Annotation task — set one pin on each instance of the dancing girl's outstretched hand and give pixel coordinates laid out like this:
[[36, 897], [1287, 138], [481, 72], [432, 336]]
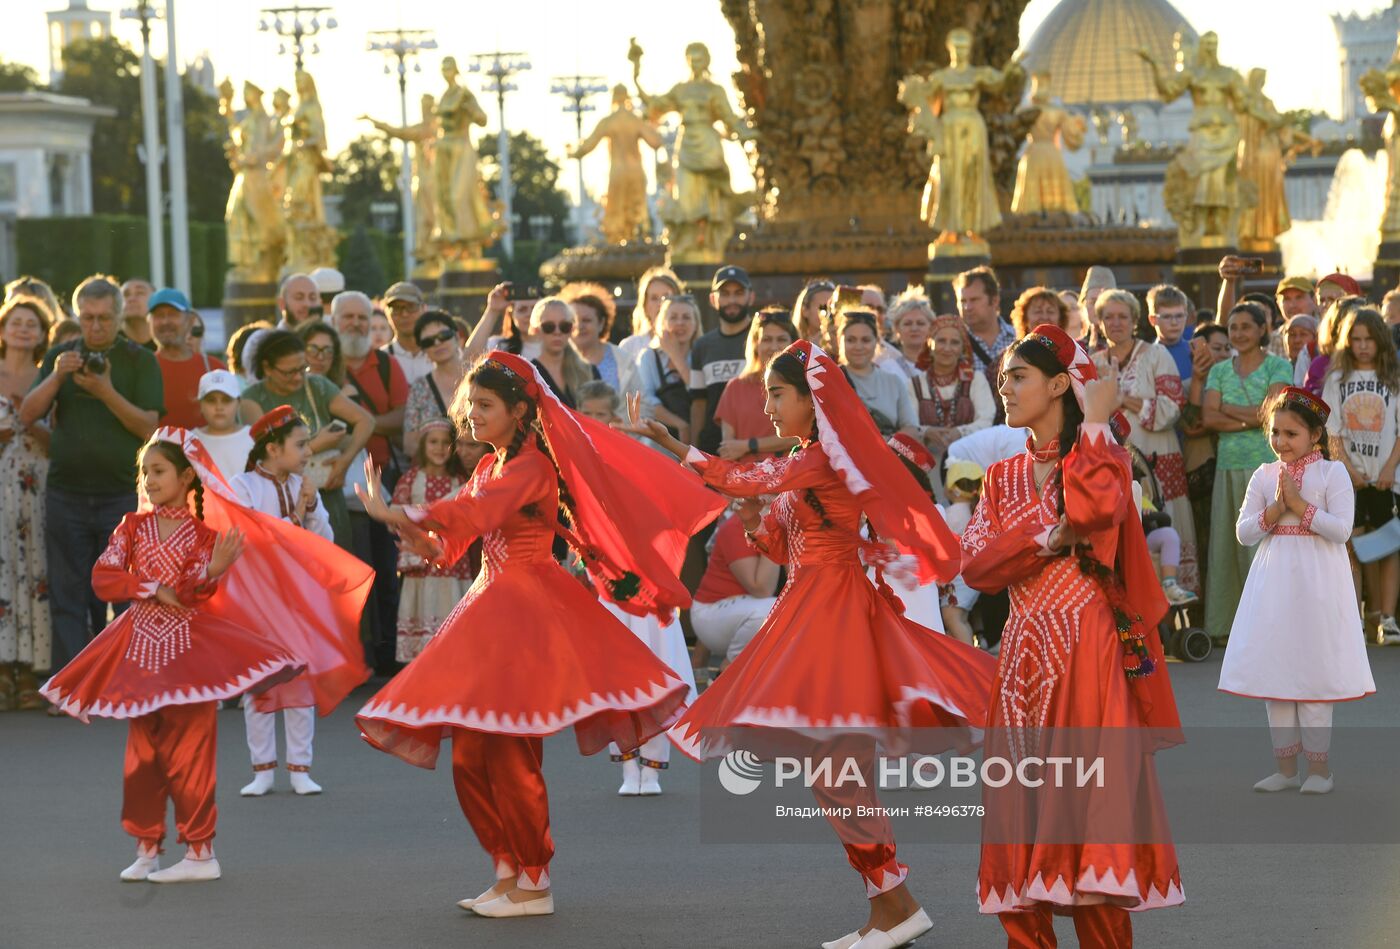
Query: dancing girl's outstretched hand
[[1101, 397], [227, 548], [638, 424], [372, 497]]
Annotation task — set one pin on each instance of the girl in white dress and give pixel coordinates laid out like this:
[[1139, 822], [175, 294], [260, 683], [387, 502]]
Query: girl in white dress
[[1300, 653]]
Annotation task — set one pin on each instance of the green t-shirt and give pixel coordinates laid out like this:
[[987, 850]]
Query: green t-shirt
[[90, 451], [312, 400], [1247, 450]]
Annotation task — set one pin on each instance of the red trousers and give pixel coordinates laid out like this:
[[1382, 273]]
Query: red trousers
[[869, 840], [171, 754], [500, 786], [1098, 926]]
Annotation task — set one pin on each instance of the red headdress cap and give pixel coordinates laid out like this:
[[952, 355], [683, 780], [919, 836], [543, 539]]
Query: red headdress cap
[[1292, 395], [1348, 284], [282, 415], [1079, 366], [912, 450]]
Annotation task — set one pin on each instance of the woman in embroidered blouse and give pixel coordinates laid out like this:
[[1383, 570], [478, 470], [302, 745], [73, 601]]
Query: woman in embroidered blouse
[[836, 648], [954, 399], [530, 651], [429, 396], [1149, 385], [1058, 527], [1235, 392], [1295, 641]]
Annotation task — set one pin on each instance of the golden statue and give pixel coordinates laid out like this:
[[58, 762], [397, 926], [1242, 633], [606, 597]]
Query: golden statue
[[960, 197], [1382, 88], [1202, 190], [625, 207], [1042, 181], [1268, 142], [310, 241], [464, 223], [281, 112], [253, 214], [704, 207], [423, 137]]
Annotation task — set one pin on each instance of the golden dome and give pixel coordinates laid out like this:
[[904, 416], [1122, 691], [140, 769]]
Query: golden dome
[[1087, 47]]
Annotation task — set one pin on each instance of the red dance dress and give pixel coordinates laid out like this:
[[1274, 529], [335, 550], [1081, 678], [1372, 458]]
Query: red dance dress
[[154, 655], [529, 651], [835, 656], [1062, 673]]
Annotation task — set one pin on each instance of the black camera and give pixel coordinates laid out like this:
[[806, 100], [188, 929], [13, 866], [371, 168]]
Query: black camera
[[94, 363]]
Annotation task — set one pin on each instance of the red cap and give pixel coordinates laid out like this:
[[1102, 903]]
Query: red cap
[[1348, 284], [912, 450], [278, 417]]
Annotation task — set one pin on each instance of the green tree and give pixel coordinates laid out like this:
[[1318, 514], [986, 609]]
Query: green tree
[[536, 192], [17, 77], [107, 72], [365, 173], [361, 265]]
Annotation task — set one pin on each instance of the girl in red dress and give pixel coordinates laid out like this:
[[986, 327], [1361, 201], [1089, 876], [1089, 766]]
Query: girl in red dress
[[1080, 656], [530, 651], [166, 662], [837, 663]]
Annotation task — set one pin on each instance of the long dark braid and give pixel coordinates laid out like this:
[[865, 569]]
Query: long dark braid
[[199, 498]]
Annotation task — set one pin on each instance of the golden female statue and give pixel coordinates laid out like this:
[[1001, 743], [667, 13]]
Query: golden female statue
[[705, 207], [1267, 143], [310, 242], [423, 137], [1042, 181], [464, 225], [252, 214], [1201, 190], [960, 198], [625, 207], [1382, 88]]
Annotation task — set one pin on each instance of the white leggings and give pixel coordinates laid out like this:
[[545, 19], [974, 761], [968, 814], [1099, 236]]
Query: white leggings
[[300, 727], [1312, 719], [726, 626], [654, 753]]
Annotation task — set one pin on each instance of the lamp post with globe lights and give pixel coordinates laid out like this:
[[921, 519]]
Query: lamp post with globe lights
[[577, 89], [402, 48], [498, 68]]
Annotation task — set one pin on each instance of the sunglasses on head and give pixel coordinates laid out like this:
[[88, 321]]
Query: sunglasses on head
[[427, 342], [774, 316], [566, 327]]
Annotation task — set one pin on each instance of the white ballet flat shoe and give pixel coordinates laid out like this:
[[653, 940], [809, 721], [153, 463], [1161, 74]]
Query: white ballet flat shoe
[[467, 904], [631, 779], [845, 942], [1317, 784], [651, 782], [141, 869], [903, 934], [1277, 782], [302, 783], [260, 785], [188, 871], [503, 906]]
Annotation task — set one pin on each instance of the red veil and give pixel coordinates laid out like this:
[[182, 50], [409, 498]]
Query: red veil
[[295, 588], [892, 500], [635, 509]]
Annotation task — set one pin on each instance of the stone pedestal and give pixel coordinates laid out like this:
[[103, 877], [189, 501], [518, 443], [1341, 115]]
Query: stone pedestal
[[1196, 270], [462, 292], [1386, 276], [247, 301], [938, 280]]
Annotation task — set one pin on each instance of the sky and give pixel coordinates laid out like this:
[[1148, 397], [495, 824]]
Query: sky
[[565, 37]]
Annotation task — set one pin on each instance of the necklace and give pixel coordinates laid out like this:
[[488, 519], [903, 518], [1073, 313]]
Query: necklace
[[1051, 452], [173, 512]]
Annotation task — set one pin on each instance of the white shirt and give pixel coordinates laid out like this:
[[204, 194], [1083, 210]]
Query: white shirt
[[989, 445], [230, 452], [414, 365], [260, 493], [1365, 415]]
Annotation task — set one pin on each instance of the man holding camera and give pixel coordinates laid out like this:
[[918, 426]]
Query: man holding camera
[[106, 395]]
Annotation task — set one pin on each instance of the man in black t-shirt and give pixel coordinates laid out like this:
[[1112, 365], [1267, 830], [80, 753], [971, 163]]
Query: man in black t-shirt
[[718, 356]]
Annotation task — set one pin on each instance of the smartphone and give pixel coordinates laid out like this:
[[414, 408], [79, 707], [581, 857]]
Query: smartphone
[[337, 425], [1251, 265], [846, 298]]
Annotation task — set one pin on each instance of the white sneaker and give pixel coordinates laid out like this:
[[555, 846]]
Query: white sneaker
[[503, 906], [1277, 782], [631, 778], [302, 783], [906, 932], [260, 785], [141, 869], [188, 871], [1388, 631], [651, 782], [1317, 784], [1177, 595]]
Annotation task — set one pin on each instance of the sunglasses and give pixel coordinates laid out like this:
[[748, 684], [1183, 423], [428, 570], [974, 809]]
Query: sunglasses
[[427, 342], [774, 316], [551, 327]]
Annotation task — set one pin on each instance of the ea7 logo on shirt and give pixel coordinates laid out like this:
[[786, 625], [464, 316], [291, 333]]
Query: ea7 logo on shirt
[[720, 372]]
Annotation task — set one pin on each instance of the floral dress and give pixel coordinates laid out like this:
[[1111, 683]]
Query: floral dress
[[25, 629], [430, 592]]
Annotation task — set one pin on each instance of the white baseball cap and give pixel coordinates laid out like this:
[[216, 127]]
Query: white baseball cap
[[219, 380], [328, 280]]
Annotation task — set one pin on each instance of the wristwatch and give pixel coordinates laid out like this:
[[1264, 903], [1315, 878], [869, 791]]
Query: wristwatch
[[753, 445]]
